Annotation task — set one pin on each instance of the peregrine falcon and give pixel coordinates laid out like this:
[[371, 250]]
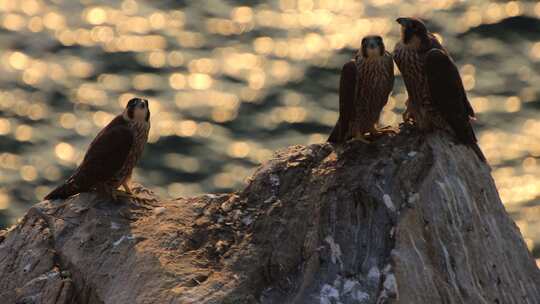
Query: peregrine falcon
[[437, 99], [366, 81], [112, 155]]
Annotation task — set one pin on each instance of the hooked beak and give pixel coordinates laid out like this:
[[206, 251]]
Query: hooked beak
[[143, 103], [402, 21]]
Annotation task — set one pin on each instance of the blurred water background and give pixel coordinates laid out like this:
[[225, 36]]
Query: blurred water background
[[231, 81]]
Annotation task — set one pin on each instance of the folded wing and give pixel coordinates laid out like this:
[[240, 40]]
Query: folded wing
[[105, 156], [449, 98], [347, 93]]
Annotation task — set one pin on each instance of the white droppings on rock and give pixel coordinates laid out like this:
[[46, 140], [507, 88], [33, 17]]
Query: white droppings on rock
[[124, 237], [51, 274], [351, 288], [349, 285], [390, 289], [119, 241], [29, 299], [270, 199], [27, 267], [115, 226], [338, 282], [274, 188], [274, 180], [388, 202], [159, 210], [412, 154], [329, 294], [360, 296], [46, 276], [390, 284], [247, 220], [413, 198], [335, 250], [374, 274]]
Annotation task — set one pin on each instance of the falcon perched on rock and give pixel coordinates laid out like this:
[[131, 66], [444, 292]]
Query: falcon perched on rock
[[437, 99], [112, 155], [366, 81]]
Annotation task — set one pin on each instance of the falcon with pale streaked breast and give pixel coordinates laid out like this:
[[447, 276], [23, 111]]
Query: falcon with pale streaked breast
[[112, 155], [437, 98], [365, 84]]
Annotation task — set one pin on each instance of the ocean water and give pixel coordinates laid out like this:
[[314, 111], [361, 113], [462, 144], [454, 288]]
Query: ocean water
[[231, 81]]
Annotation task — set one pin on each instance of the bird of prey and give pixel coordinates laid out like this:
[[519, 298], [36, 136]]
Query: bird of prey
[[437, 99], [112, 155], [366, 81]]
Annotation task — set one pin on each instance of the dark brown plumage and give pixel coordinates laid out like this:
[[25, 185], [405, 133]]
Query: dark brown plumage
[[437, 98], [112, 155], [366, 81]]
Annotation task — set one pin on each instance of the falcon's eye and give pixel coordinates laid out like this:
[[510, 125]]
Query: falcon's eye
[[132, 102]]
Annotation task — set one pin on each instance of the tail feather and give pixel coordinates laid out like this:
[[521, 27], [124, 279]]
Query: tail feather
[[478, 152], [62, 192], [333, 138]]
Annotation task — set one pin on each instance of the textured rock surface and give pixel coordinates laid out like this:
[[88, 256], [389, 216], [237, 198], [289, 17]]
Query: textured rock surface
[[402, 220]]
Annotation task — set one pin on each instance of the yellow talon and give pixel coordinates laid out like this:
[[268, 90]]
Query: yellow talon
[[362, 139], [133, 198], [119, 193], [383, 131], [126, 187]]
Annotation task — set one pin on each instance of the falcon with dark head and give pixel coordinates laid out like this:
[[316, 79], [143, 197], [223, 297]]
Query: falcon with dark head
[[365, 84], [112, 155], [437, 99]]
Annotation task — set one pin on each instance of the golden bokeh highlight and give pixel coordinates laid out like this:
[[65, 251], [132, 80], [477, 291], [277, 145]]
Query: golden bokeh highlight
[[28, 173], [18, 60], [64, 151], [186, 128], [96, 15], [177, 81], [513, 104], [199, 81], [513, 8], [24, 133], [5, 126], [4, 201], [535, 51], [239, 149]]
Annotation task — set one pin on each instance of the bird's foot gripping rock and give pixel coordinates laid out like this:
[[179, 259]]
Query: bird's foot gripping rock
[[360, 138], [137, 198], [385, 130], [377, 133]]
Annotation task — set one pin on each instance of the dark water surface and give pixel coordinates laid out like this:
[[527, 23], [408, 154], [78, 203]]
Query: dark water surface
[[231, 81]]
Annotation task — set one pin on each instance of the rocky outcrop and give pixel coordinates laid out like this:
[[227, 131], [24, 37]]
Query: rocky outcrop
[[402, 220]]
